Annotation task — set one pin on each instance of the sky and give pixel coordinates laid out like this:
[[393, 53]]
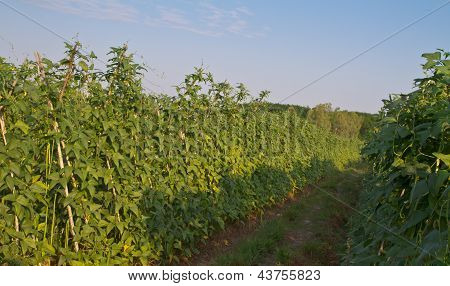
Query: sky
[[279, 46]]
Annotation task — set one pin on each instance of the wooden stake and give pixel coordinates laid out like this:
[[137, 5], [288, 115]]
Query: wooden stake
[[66, 192], [109, 167], [69, 72], [41, 72], [3, 131], [58, 147], [114, 188]]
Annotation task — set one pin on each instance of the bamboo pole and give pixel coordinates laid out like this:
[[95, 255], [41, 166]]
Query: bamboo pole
[[109, 167], [66, 192], [3, 131], [41, 72], [114, 188], [58, 142], [69, 72]]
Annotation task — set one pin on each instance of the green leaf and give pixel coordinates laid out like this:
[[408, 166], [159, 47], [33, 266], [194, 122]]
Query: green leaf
[[443, 157], [10, 182], [83, 66], [76, 263], [431, 242], [48, 248], [23, 201], [14, 233], [109, 228], [403, 132], [87, 230], [93, 207], [432, 56], [15, 168], [397, 162], [437, 180], [120, 226], [102, 223], [420, 189], [134, 209], [39, 185], [389, 120], [30, 242], [416, 217], [22, 126]]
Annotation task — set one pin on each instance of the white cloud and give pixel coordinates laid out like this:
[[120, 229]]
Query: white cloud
[[206, 19], [97, 9], [200, 17], [176, 19], [244, 10]]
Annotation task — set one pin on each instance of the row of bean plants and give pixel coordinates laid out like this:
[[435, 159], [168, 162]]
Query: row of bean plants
[[96, 171], [407, 201]]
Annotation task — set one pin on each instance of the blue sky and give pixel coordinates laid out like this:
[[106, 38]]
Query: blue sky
[[276, 45]]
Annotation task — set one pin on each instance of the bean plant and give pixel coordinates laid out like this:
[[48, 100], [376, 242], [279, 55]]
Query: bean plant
[[407, 200], [96, 171]]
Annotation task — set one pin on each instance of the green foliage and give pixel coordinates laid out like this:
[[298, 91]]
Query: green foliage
[[341, 122], [321, 116], [409, 194], [146, 177], [301, 111]]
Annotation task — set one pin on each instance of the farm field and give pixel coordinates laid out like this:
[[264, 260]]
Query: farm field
[[96, 171]]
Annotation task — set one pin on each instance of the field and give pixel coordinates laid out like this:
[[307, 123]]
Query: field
[[96, 171]]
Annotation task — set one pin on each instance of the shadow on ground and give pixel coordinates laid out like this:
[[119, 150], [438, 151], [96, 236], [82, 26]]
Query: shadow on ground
[[308, 229]]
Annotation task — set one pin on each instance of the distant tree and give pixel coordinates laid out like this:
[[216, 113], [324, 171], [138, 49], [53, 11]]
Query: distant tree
[[321, 115], [346, 123], [341, 122]]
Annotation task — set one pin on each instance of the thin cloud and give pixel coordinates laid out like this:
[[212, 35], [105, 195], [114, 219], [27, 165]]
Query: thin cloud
[[201, 17], [206, 19], [97, 9], [244, 10], [176, 19], [227, 20]]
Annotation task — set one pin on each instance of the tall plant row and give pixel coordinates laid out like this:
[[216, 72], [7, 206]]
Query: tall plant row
[[93, 170], [407, 201]]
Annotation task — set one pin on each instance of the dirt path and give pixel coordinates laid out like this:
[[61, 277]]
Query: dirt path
[[308, 229]]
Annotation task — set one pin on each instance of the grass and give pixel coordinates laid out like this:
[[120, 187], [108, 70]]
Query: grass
[[310, 231], [253, 250]]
